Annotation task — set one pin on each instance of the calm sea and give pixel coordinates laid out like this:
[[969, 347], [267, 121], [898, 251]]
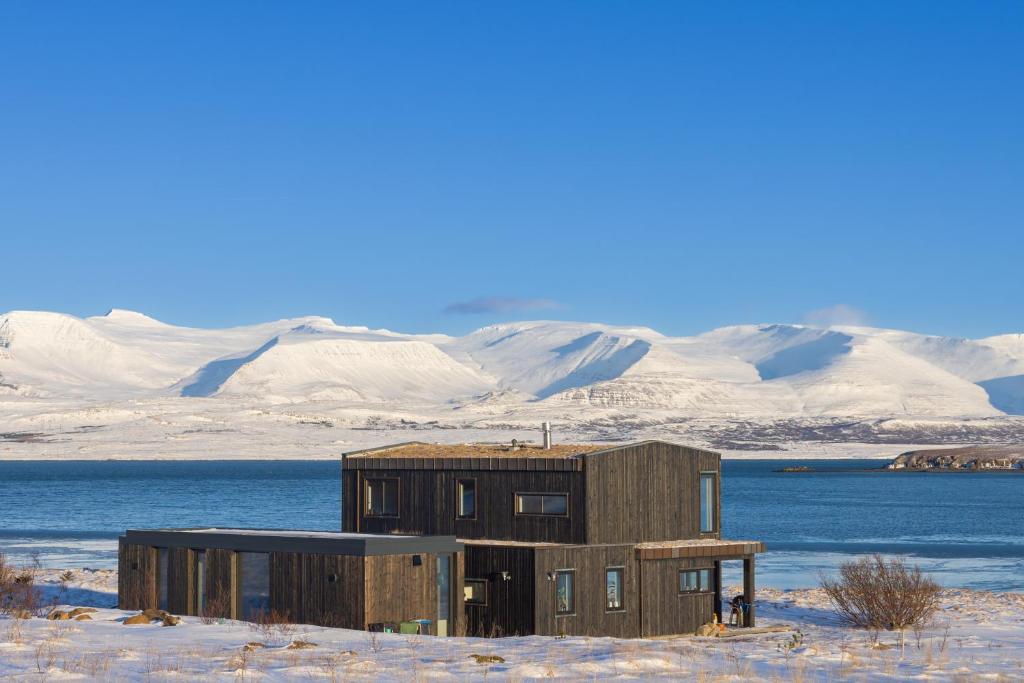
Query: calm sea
[[967, 529]]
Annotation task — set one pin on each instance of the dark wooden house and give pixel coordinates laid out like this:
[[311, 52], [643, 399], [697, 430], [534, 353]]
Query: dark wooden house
[[580, 540], [330, 579]]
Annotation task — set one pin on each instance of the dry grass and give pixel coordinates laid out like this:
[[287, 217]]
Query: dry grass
[[877, 594]]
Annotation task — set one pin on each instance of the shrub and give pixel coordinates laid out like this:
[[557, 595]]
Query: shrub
[[18, 592], [874, 593]]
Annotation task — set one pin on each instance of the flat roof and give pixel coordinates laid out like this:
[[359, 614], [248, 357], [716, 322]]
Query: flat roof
[[420, 449], [697, 547], [293, 540]]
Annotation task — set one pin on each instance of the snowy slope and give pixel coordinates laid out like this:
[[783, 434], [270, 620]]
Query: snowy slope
[[559, 368]]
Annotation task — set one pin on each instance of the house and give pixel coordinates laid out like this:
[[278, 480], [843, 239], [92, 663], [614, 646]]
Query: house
[[484, 539], [570, 539]]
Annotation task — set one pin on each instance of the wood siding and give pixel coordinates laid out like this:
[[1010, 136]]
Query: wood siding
[[219, 596], [398, 590], [591, 617], [509, 609], [337, 603], [427, 505], [664, 610], [647, 492], [180, 581], [136, 576]]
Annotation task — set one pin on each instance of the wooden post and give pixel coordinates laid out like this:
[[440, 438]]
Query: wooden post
[[748, 588], [718, 590]]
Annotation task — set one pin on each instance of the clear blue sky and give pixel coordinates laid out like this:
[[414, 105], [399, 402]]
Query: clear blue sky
[[435, 166]]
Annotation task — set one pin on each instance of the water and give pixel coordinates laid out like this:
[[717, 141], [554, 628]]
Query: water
[[964, 528]]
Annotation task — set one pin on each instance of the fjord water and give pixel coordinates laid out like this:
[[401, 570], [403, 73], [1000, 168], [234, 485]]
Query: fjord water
[[965, 528]]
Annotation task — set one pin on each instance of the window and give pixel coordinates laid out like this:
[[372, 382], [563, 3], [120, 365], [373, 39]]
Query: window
[[475, 591], [255, 581], [199, 575], [708, 502], [565, 595], [161, 578], [381, 497], [556, 504], [613, 585], [465, 493], [696, 581]]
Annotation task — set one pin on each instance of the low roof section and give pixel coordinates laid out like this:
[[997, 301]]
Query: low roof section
[[293, 541]]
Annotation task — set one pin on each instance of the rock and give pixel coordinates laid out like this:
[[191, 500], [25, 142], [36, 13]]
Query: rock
[[58, 615], [154, 613], [81, 610], [137, 619], [249, 647], [488, 659], [706, 630], [300, 645], [171, 620], [83, 617]]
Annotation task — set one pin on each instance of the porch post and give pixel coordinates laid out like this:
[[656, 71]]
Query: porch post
[[748, 588], [718, 590]]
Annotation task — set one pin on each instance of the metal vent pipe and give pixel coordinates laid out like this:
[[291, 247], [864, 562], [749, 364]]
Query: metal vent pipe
[[547, 435]]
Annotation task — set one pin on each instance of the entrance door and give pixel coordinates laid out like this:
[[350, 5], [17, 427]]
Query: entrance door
[[444, 593]]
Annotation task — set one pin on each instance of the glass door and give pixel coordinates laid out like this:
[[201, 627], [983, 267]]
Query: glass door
[[444, 593]]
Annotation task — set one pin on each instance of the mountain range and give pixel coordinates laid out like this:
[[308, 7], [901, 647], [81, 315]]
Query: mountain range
[[773, 371]]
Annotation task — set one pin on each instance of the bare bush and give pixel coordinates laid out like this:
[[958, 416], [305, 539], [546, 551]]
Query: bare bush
[[19, 595], [877, 594]]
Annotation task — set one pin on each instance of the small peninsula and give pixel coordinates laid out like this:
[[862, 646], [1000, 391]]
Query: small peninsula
[[967, 459]]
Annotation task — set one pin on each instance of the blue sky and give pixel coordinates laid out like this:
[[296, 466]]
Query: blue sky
[[441, 166]]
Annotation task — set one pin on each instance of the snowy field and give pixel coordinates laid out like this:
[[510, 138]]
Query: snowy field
[[977, 636]]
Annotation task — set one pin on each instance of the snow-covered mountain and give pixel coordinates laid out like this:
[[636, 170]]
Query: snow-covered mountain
[[745, 371]]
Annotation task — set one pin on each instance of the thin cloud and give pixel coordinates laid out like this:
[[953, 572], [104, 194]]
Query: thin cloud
[[499, 304], [840, 314]]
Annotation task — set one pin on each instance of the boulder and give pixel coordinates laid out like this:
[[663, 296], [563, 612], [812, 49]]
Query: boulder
[[83, 617], [81, 610], [171, 620], [154, 613], [137, 619], [58, 615], [300, 645], [706, 630]]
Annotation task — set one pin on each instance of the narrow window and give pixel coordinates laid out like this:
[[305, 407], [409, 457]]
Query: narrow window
[[565, 594], [381, 497], [613, 585], [475, 591], [554, 504], [161, 574], [465, 491], [708, 502], [255, 568], [696, 581], [199, 574]]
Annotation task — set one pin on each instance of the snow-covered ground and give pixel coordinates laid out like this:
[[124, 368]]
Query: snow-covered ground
[[976, 636]]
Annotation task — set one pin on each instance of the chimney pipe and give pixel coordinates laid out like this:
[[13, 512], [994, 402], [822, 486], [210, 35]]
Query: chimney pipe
[[547, 435]]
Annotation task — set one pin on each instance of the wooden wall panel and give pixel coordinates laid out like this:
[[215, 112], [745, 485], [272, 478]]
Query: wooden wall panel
[[286, 585], [337, 602], [664, 610], [427, 502], [136, 576], [180, 581], [591, 617], [396, 589], [646, 492], [509, 609], [219, 583]]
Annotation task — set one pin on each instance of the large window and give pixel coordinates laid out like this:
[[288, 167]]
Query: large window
[[381, 497], [556, 504], [565, 592], [474, 591], [465, 494], [708, 502], [696, 581], [255, 593], [613, 586], [199, 576]]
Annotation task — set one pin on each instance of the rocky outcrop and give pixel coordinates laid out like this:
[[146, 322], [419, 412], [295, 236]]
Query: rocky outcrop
[[968, 459]]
